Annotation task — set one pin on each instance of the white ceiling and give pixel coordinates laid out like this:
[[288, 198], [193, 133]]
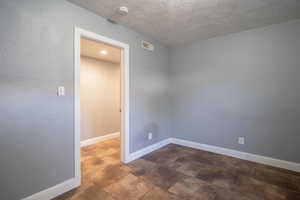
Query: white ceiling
[[176, 22], [92, 49]]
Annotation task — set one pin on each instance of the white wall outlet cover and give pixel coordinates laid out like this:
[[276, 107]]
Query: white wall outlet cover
[[241, 140], [61, 91], [149, 136]]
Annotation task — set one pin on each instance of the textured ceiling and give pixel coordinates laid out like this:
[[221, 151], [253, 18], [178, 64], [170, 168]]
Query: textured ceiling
[[176, 22], [92, 49]]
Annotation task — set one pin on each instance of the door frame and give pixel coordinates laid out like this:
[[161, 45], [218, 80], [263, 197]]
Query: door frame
[[78, 33]]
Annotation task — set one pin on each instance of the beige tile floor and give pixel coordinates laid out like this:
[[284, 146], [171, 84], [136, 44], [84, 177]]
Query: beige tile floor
[[176, 172]]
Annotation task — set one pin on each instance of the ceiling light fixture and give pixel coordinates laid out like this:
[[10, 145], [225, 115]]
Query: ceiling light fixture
[[123, 10], [103, 52]]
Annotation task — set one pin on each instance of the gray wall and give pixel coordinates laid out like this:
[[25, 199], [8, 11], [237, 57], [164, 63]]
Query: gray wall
[[245, 84], [99, 98], [36, 126]]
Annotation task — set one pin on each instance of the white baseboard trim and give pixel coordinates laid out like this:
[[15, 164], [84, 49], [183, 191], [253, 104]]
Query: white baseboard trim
[[56, 190], [149, 149], [99, 139], [238, 154]]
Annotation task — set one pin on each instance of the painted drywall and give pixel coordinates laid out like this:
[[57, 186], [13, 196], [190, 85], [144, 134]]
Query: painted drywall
[[99, 98], [245, 84], [37, 126]]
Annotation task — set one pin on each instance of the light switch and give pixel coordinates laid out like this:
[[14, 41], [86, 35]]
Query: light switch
[[61, 91]]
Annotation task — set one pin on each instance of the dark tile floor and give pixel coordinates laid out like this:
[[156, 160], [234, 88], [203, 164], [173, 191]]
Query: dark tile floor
[[178, 173]]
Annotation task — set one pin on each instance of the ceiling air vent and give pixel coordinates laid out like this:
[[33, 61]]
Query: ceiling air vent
[[147, 45]]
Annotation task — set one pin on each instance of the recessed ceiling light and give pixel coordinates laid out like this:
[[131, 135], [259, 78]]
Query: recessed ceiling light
[[103, 52]]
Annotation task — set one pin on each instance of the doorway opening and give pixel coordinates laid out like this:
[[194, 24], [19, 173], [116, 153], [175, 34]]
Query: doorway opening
[[100, 94], [101, 99]]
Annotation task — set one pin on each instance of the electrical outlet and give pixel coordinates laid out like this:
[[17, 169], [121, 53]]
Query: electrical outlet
[[241, 140], [149, 136], [60, 91]]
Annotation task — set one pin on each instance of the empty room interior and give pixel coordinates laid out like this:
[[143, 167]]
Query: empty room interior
[[150, 100]]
